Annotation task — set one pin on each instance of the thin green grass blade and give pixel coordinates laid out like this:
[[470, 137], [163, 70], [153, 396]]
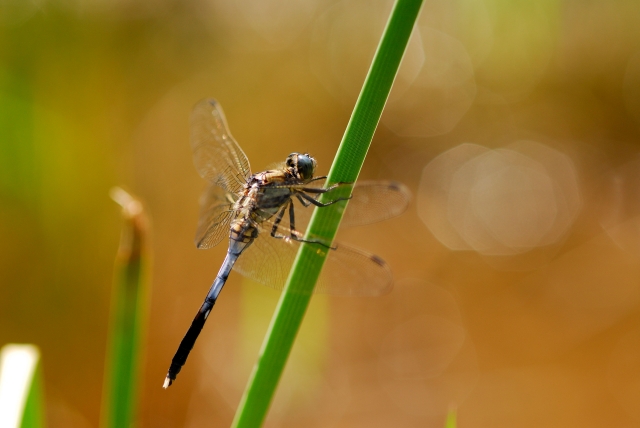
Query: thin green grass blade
[[34, 414], [324, 222], [128, 317], [21, 387], [451, 419]]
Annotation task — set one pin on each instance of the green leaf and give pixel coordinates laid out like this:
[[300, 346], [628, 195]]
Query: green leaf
[[451, 419], [21, 387], [128, 317], [324, 222]]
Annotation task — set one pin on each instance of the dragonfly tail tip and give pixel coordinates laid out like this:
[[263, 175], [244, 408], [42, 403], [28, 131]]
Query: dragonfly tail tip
[[167, 382]]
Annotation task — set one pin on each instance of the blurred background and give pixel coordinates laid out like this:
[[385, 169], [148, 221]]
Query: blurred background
[[517, 265]]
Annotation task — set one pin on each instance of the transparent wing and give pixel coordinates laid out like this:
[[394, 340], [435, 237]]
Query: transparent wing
[[215, 216], [347, 270], [374, 201], [371, 201], [266, 261], [217, 156]]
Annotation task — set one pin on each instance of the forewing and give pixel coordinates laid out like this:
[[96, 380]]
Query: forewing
[[374, 201], [215, 217], [371, 201], [217, 156]]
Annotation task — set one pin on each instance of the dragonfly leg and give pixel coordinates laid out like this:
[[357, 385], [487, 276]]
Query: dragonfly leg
[[321, 204], [303, 201], [277, 221], [321, 189], [309, 241], [294, 234], [292, 221], [338, 184]]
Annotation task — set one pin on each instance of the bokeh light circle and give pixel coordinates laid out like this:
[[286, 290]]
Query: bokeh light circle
[[620, 217], [499, 202]]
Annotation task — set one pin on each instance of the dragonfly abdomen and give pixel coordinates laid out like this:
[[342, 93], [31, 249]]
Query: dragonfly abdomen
[[242, 235]]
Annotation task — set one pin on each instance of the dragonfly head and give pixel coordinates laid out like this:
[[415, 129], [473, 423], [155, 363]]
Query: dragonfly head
[[301, 165]]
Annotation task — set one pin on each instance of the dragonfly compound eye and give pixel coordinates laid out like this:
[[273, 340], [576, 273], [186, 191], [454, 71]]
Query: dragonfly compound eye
[[306, 166]]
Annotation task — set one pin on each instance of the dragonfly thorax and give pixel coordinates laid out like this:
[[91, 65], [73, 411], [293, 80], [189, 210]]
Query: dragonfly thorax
[[264, 194], [301, 165]]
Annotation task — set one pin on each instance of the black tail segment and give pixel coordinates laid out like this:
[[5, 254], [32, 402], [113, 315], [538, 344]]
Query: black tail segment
[[201, 317], [188, 341]]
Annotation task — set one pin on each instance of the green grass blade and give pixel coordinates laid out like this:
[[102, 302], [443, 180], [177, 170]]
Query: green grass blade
[[324, 223], [128, 317], [451, 419], [21, 387]]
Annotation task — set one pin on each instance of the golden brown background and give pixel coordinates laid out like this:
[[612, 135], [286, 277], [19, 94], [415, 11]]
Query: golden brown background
[[515, 124]]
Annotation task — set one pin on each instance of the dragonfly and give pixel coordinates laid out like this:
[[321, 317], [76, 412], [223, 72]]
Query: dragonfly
[[249, 209]]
